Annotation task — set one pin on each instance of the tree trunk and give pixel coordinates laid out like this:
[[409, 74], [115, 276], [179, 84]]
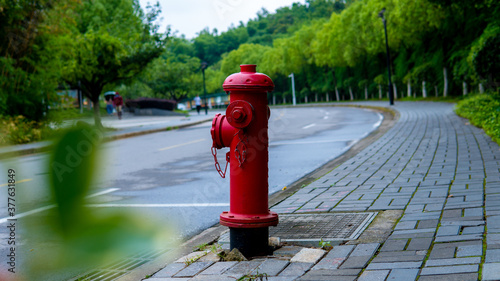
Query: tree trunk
[[436, 91], [305, 99], [366, 92], [445, 78], [327, 97], [350, 93], [97, 115], [379, 91], [408, 84], [316, 97], [274, 99], [284, 100], [395, 89], [481, 88], [464, 88], [424, 90], [337, 96]]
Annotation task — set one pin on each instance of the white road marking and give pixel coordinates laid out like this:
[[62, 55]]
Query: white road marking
[[309, 126], [380, 119], [26, 180], [182, 144], [41, 209], [178, 205]]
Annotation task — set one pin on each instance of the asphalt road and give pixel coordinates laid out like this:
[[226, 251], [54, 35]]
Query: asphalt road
[[171, 176]]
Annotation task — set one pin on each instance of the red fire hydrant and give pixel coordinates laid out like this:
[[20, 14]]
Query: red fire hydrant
[[244, 130]]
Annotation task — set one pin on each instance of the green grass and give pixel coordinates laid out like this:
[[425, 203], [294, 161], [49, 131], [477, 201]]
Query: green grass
[[483, 111]]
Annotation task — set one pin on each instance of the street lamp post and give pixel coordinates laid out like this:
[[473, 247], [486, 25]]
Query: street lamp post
[[203, 67], [391, 94], [294, 101]]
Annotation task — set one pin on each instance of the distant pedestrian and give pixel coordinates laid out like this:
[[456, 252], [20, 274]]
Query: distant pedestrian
[[109, 106], [118, 102], [197, 101]]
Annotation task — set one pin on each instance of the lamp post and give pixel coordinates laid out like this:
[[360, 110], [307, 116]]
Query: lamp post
[[203, 67], [294, 101], [391, 94]]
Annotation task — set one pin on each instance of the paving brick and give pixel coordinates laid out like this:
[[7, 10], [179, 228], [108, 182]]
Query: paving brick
[[355, 262], [419, 244], [491, 271], [308, 255], [374, 275], [451, 277], [448, 230], [492, 255], [295, 269], [271, 267], [469, 250], [403, 275], [393, 265], [219, 268], [456, 261], [365, 250], [335, 272], [242, 268], [201, 277], [464, 237], [193, 269], [392, 245], [449, 269], [170, 270]]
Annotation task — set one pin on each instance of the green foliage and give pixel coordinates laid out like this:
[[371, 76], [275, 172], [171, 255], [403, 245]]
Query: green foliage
[[324, 244], [19, 130], [483, 111]]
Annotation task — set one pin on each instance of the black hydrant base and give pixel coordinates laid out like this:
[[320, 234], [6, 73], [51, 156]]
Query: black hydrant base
[[250, 242]]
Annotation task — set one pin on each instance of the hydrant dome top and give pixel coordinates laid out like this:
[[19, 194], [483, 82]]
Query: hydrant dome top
[[248, 79]]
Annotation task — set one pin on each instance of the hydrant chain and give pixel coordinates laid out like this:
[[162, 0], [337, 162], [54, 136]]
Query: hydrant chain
[[217, 165]]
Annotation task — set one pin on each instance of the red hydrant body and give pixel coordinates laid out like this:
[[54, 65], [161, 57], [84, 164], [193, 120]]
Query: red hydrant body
[[244, 129]]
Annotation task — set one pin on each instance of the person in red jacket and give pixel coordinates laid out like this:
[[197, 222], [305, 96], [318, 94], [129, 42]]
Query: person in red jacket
[[118, 103]]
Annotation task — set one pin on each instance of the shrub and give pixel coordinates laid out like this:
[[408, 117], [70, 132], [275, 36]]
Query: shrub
[[483, 111], [18, 130]]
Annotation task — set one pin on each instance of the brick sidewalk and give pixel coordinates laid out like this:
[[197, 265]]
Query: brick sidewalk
[[443, 174]]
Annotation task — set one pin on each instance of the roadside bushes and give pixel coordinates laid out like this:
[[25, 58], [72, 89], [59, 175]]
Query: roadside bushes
[[483, 111], [18, 130]]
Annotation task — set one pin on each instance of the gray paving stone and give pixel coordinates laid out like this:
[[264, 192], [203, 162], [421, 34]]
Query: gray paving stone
[[393, 265], [219, 268], [374, 275], [242, 268], [464, 237], [449, 269], [201, 277], [308, 277], [448, 230], [419, 244], [170, 270], [335, 272], [473, 230], [456, 261], [491, 271], [365, 250], [392, 245], [403, 275], [193, 269], [271, 267], [355, 262], [295, 269], [469, 251], [492, 255], [405, 225], [308, 255], [451, 277]]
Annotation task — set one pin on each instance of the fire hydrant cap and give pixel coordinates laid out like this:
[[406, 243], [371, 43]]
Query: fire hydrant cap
[[248, 79]]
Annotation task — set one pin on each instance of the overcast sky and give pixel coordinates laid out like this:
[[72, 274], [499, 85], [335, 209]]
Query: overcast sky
[[189, 17]]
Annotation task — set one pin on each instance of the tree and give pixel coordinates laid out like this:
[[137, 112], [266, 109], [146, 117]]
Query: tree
[[115, 42]]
